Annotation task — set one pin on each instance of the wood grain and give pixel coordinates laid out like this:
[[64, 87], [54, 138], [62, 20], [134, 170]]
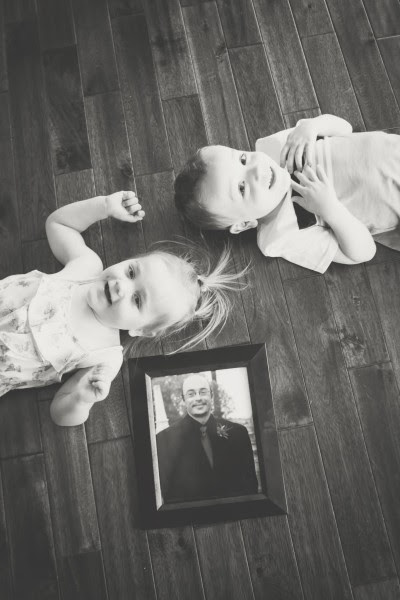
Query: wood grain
[[274, 574], [123, 8], [331, 80], [356, 316], [312, 18], [70, 486], [175, 563], [389, 49], [68, 135], [221, 550], [256, 92], [347, 467], [285, 55], [385, 18], [18, 10], [382, 590], [82, 577], [3, 55], [56, 27], [311, 518], [33, 172], [29, 528], [19, 424], [5, 564], [292, 118], [170, 48], [125, 550], [95, 46], [377, 400], [364, 63], [238, 22], [142, 104]]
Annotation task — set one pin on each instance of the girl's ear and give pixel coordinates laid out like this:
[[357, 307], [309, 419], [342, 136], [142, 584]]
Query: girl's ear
[[141, 333], [243, 225]]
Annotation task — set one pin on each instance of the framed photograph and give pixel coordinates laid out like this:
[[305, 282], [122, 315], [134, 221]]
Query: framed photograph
[[205, 438]]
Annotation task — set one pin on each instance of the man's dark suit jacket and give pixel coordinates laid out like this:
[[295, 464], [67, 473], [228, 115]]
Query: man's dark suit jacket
[[185, 471]]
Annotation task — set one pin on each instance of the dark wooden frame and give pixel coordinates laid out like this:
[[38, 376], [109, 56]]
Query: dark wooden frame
[[271, 500]]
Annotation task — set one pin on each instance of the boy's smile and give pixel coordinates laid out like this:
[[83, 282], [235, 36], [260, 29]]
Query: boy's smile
[[241, 187]]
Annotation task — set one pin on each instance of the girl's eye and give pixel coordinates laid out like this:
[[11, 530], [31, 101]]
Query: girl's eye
[[137, 300], [243, 158], [131, 272], [242, 187]]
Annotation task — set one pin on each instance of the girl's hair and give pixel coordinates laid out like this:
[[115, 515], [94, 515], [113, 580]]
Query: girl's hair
[[206, 286], [187, 194]]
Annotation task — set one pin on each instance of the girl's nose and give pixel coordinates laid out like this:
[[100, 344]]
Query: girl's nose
[[121, 288]]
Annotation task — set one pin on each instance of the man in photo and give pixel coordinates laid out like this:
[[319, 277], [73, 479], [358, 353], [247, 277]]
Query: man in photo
[[201, 456]]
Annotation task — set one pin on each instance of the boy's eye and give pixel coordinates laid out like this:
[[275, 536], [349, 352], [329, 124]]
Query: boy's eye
[[131, 271], [242, 187], [243, 158]]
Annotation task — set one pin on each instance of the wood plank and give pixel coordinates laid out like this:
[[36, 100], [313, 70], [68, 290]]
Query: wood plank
[[384, 18], [175, 563], [68, 135], [95, 46], [18, 10], [256, 92], [125, 550], [70, 486], [331, 80], [10, 248], [82, 577], [123, 8], [3, 54], [239, 22], [312, 18], [19, 424], [170, 48], [221, 551], [311, 518], [109, 419], [385, 284], [285, 55], [142, 104], [38, 254], [377, 400], [56, 27], [29, 528], [269, 322], [374, 93], [185, 127], [292, 119], [347, 467], [221, 109], [33, 170], [356, 316], [274, 574], [389, 49], [5, 563], [382, 590]]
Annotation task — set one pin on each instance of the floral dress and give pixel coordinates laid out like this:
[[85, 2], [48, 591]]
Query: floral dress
[[36, 344]]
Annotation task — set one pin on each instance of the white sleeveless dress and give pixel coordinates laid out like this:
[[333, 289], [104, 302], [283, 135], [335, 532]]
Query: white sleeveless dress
[[37, 346]]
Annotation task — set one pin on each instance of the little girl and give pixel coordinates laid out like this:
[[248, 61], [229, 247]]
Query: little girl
[[70, 321]]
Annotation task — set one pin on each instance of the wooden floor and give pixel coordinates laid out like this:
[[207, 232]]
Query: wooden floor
[[97, 97]]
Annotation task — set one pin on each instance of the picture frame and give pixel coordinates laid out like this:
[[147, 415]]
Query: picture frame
[[250, 361]]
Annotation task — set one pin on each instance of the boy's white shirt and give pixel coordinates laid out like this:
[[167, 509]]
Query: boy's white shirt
[[364, 168]]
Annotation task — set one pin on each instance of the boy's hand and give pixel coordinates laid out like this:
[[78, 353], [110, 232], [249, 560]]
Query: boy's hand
[[300, 142], [95, 383], [317, 193], [124, 206]]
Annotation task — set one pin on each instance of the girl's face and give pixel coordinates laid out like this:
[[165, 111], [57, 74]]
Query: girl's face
[[142, 295]]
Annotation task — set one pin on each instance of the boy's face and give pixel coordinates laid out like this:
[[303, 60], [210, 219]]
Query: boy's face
[[141, 295], [242, 186]]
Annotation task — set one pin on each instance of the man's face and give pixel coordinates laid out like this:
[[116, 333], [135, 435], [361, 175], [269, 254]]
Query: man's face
[[241, 186], [197, 396]]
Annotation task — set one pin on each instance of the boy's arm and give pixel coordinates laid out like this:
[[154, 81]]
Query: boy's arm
[[301, 140], [64, 226], [75, 398], [356, 244]]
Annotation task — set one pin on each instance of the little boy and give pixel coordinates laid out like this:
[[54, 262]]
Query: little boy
[[346, 196]]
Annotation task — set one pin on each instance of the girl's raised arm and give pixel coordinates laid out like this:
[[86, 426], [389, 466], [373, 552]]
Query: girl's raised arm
[[64, 226]]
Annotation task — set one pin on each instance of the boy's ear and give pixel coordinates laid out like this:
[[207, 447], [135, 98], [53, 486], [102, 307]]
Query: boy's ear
[[142, 333], [243, 225]]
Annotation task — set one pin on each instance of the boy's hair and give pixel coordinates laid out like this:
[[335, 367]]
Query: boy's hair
[[187, 194], [206, 286]]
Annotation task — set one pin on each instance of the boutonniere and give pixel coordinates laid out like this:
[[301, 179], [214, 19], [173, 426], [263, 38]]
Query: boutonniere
[[222, 430]]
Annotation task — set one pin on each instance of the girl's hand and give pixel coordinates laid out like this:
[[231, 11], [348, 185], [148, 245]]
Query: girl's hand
[[300, 142], [124, 206], [317, 193], [95, 384]]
